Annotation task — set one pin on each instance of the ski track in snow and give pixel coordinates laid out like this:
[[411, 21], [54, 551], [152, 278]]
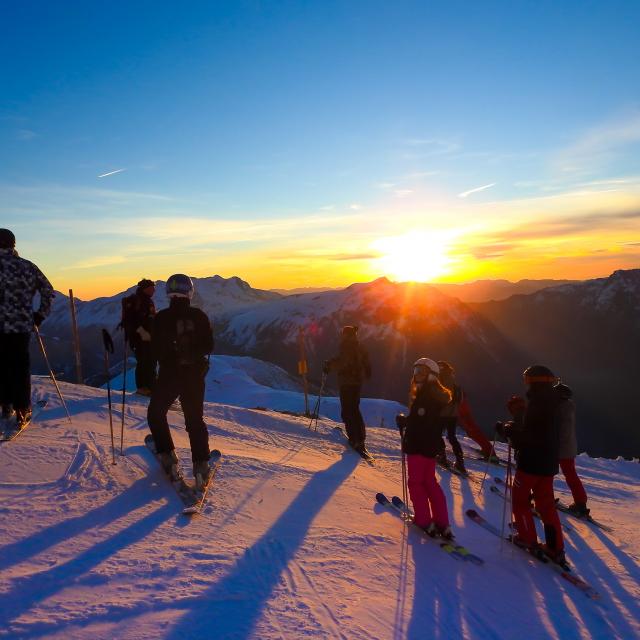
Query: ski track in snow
[[290, 545]]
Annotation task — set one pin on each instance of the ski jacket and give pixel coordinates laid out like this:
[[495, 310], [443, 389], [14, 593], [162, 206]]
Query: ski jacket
[[535, 432], [423, 431], [138, 311], [20, 280], [182, 335], [568, 443], [351, 364]]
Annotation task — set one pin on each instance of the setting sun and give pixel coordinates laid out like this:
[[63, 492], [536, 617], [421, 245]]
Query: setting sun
[[415, 256]]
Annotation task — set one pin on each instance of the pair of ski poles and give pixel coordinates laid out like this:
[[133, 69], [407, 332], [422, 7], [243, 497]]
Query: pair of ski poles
[[109, 349], [316, 409]]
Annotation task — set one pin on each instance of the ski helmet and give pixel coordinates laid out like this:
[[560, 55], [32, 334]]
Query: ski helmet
[[179, 286], [7, 239], [423, 367], [349, 330], [563, 391], [539, 373]]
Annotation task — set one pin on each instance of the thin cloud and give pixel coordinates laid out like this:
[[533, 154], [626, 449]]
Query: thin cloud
[[464, 194], [111, 173], [26, 134]]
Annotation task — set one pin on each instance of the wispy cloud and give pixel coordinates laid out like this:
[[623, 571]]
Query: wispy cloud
[[96, 261], [25, 134], [465, 194], [111, 173]]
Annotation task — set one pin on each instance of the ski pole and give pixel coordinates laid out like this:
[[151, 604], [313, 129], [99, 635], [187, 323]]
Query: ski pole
[[124, 388], [486, 467], [405, 490], [51, 375], [108, 348], [316, 410], [507, 492]]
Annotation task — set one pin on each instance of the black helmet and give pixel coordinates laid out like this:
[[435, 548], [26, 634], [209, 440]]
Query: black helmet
[[539, 373], [7, 239], [179, 286]]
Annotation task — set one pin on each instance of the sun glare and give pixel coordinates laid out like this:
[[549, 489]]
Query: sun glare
[[415, 256]]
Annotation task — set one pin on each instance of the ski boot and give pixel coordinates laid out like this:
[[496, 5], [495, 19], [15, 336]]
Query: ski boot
[[556, 555], [436, 531], [535, 548], [442, 460], [459, 466], [170, 465], [201, 472], [23, 418], [579, 509], [7, 412]]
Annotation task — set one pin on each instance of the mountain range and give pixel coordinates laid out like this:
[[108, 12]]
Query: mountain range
[[587, 332]]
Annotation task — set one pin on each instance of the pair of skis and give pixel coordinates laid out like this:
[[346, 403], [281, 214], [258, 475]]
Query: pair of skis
[[456, 551], [363, 453], [563, 570], [192, 498], [10, 428]]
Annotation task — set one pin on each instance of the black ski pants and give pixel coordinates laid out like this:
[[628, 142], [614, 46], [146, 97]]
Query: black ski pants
[[350, 412], [187, 383], [145, 364], [15, 370], [451, 424]]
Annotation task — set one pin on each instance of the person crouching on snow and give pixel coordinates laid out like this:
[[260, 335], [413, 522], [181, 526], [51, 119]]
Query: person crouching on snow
[[421, 435]]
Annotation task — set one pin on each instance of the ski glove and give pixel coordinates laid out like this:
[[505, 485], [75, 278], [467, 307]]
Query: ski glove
[[38, 318], [516, 405], [401, 422]]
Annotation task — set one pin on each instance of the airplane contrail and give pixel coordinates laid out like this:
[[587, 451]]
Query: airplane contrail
[[464, 194], [110, 173]]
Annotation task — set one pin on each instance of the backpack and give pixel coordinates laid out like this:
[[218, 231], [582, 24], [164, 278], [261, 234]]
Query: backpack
[[129, 317], [186, 341]]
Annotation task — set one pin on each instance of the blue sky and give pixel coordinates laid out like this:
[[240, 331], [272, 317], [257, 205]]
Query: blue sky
[[329, 115]]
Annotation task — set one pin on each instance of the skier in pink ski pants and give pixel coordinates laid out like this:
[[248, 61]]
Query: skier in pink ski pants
[[421, 437]]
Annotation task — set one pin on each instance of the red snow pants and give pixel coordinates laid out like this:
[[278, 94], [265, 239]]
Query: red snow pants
[[465, 418], [568, 466], [429, 503], [542, 487]]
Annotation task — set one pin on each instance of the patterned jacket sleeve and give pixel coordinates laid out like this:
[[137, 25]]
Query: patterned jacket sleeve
[[46, 292]]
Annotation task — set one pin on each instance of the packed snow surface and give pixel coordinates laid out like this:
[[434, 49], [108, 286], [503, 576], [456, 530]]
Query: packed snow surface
[[290, 545]]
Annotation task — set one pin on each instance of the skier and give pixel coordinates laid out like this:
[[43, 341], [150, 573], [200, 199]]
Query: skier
[[353, 367], [138, 311], [20, 280], [459, 412], [182, 342], [569, 450], [421, 434], [534, 435], [449, 417]]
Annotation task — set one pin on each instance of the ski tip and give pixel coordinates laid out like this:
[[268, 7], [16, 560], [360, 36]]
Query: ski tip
[[382, 499], [397, 501], [148, 438], [215, 454], [472, 513]]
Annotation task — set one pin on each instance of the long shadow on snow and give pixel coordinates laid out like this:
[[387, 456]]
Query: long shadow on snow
[[29, 591], [258, 571], [137, 495]]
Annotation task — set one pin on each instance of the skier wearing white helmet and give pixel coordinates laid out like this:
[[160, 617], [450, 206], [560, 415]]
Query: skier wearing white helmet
[[421, 435]]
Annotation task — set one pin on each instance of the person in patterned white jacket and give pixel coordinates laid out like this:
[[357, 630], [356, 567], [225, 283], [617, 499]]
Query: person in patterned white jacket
[[20, 280]]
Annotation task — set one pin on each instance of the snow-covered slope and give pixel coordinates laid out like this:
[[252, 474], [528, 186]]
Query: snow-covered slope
[[291, 544], [247, 382]]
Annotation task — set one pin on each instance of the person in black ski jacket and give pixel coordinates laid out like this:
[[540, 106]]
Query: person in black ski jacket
[[449, 417], [182, 342], [138, 311], [534, 434], [353, 367], [421, 434], [20, 280]]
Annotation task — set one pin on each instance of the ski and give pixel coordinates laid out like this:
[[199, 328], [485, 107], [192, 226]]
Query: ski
[[448, 546], [184, 491], [564, 571], [201, 495], [11, 431], [565, 509], [363, 453]]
